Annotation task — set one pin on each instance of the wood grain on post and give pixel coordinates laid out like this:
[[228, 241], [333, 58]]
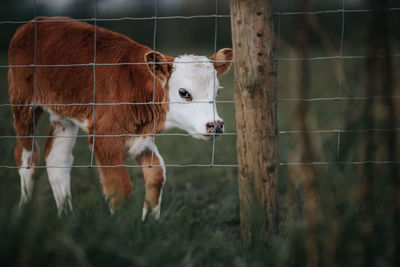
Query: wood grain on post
[[256, 123]]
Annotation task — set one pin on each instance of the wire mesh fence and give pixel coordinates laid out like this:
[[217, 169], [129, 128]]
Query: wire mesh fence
[[95, 104], [339, 57]]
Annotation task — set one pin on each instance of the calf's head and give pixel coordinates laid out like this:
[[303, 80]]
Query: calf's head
[[193, 86]]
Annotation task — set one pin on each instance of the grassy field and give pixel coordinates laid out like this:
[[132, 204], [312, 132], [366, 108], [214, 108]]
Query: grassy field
[[199, 224]]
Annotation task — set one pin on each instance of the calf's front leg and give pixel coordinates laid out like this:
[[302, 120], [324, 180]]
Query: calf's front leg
[[110, 157], [154, 176]]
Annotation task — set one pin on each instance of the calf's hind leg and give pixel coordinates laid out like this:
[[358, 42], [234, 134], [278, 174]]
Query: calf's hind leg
[[58, 152], [25, 158]]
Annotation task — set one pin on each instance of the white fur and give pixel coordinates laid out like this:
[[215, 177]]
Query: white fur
[[157, 209], [82, 124], [201, 81], [136, 145], [26, 174], [61, 156], [56, 117], [144, 213]]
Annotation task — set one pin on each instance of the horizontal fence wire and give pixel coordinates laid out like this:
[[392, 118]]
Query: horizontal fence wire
[[117, 103], [335, 98], [335, 57], [215, 17], [332, 11], [282, 132], [120, 165], [110, 135], [197, 16], [338, 163], [111, 64], [118, 19]]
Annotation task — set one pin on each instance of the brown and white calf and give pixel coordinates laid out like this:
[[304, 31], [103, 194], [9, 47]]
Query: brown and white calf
[[185, 87]]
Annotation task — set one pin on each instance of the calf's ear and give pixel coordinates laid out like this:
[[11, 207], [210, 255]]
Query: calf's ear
[[159, 65], [220, 60]]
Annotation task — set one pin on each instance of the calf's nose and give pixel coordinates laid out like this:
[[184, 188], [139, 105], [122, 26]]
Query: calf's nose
[[216, 127]]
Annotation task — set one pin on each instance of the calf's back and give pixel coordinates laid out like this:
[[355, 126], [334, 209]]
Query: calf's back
[[70, 43]]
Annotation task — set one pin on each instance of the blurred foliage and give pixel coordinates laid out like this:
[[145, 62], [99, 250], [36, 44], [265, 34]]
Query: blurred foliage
[[199, 225]]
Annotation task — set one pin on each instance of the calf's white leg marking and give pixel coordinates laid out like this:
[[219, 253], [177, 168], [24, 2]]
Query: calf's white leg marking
[[26, 175], [136, 146], [157, 209], [61, 155]]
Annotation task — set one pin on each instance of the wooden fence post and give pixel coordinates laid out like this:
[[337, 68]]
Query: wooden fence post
[[256, 123]]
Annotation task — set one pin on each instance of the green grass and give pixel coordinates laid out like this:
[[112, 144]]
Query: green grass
[[182, 236]]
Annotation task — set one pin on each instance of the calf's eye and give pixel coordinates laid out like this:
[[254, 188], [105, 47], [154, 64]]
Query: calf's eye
[[184, 93]]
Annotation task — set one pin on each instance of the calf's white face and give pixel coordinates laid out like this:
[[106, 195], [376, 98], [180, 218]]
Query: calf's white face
[[193, 86]]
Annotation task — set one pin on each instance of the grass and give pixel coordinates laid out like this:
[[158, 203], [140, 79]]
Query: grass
[[93, 237]]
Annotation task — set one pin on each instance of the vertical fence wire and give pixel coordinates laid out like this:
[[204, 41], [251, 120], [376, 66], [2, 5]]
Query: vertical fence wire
[[214, 83], [94, 82], [340, 81], [277, 54], [154, 82], [33, 107]]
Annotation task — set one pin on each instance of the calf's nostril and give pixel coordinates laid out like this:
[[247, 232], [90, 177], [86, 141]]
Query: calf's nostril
[[210, 125]]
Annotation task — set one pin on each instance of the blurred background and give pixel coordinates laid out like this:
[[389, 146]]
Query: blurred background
[[355, 214]]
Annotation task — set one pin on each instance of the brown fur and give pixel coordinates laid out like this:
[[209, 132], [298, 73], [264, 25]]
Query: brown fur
[[72, 43], [222, 55]]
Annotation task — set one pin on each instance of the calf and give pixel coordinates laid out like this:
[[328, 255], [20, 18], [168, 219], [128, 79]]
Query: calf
[[170, 92]]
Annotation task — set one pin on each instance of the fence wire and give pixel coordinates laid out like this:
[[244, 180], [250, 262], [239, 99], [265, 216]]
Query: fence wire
[[34, 85], [94, 104], [338, 98], [94, 82]]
